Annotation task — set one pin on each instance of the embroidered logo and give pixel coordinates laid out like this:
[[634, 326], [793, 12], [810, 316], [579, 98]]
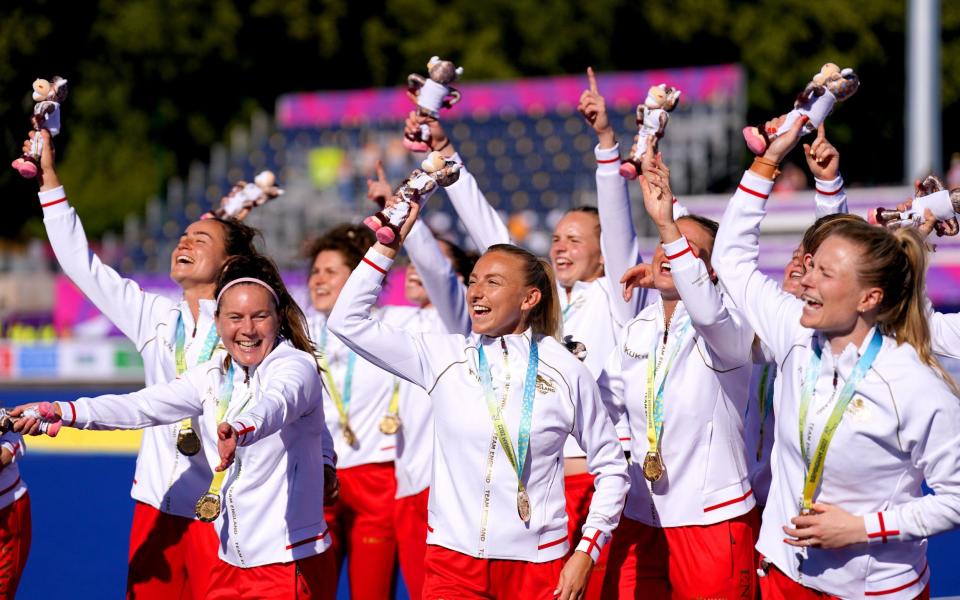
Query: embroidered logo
[[859, 410], [636, 355], [544, 385]]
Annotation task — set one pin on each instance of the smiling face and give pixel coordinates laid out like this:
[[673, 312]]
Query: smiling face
[[498, 297], [327, 277], [199, 255], [793, 272], [701, 242], [575, 252], [248, 323], [834, 298]]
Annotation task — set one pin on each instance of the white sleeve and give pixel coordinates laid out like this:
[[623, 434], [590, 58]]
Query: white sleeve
[[771, 312], [394, 350], [292, 390], [121, 300], [483, 224], [944, 332], [726, 332], [610, 383], [445, 290], [618, 238], [160, 404], [13, 442], [830, 197], [595, 433], [932, 438]]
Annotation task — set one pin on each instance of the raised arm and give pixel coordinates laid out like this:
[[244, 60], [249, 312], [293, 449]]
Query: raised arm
[[618, 238], [725, 331], [823, 160], [483, 224], [290, 390], [771, 312], [393, 350], [120, 300], [445, 290]]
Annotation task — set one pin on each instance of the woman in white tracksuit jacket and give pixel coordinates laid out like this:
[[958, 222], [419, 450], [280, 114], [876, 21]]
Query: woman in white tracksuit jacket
[[864, 413], [497, 521], [259, 409]]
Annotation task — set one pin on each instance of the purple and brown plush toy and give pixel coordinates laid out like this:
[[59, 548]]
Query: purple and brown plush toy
[[652, 119], [831, 85], [431, 94], [418, 187], [46, 115]]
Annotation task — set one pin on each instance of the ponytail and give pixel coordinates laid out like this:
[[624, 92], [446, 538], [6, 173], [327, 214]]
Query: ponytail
[[544, 318], [896, 262]]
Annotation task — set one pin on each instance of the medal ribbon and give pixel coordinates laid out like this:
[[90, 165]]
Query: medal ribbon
[[765, 402], [575, 303], [526, 415], [342, 402], [394, 398], [654, 399], [815, 467], [223, 401], [180, 354]]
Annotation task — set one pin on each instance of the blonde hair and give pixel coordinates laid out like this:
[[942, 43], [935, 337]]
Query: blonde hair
[[896, 262], [544, 318]]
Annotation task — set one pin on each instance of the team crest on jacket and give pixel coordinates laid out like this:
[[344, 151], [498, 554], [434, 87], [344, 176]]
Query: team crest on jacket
[[544, 385], [859, 410]]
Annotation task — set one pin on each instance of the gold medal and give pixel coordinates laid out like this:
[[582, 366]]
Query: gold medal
[[390, 424], [188, 442], [208, 507], [653, 466], [348, 435], [523, 506]]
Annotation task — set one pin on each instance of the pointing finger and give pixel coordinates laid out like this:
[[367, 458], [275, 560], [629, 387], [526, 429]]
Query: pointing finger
[[592, 78]]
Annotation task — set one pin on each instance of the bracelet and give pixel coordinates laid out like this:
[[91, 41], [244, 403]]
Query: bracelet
[[443, 147], [765, 168]]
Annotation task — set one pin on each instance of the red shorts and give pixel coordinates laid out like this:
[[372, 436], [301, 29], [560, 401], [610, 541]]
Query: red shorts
[[15, 534], [450, 575], [362, 527], [170, 556], [579, 491], [312, 578], [775, 585], [696, 561], [411, 523]]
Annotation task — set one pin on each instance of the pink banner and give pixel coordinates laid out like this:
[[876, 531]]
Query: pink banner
[[325, 109]]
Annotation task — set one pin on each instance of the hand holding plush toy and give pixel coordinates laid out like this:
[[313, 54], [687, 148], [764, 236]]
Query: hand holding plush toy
[[652, 119], [430, 95], [931, 199], [831, 85], [46, 115], [418, 187], [244, 197]]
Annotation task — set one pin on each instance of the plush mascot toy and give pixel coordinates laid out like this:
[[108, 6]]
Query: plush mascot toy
[[831, 85], [431, 94], [46, 115]]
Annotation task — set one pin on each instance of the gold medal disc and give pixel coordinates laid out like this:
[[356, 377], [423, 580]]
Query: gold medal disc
[[208, 507], [390, 424], [349, 436], [652, 466], [188, 442], [523, 506]]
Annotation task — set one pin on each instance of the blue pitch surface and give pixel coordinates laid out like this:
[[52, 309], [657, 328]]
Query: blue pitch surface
[[82, 511]]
